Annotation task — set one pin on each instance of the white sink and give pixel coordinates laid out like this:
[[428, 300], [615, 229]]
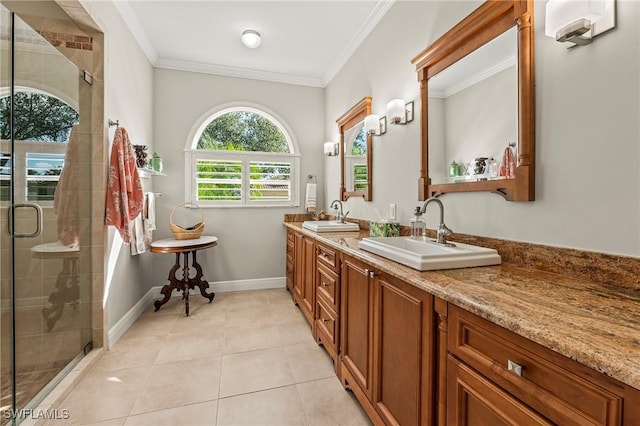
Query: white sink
[[329, 226], [426, 255]]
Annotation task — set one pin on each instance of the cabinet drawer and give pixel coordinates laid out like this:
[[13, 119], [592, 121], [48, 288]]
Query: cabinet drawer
[[562, 390], [328, 284], [328, 257], [327, 322]]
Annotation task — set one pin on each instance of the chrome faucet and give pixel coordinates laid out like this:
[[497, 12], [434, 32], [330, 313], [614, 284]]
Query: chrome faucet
[[340, 216], [443, 232]]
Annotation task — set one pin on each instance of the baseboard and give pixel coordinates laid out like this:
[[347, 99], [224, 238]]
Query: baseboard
[[128, 319]]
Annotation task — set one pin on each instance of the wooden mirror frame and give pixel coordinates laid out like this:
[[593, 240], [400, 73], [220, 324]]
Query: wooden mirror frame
[[353, 116], [488, 21]]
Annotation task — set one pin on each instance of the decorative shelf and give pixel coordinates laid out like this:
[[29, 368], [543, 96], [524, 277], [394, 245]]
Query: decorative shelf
[[146, 173]]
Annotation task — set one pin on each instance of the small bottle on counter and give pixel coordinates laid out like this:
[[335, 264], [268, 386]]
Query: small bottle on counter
[[417, 225]]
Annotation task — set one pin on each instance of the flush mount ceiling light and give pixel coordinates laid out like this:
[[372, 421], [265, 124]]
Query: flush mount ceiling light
[[251, 38]]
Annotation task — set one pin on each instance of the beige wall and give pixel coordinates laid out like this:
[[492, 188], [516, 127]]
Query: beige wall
[[128, 87], [251, 240], [587, 151]]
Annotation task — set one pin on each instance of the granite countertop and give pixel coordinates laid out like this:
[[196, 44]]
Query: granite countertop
[[594, 324]]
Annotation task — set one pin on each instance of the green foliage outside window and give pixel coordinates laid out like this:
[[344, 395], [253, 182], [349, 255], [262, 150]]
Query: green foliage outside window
[[360, 177], [360, 143], [37, 117], [221, 180]]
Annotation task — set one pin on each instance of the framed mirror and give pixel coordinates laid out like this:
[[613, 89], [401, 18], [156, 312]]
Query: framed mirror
[[355, 152], [477, 95]]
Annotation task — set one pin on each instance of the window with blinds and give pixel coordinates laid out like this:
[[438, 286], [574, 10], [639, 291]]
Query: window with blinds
[[243, 157]]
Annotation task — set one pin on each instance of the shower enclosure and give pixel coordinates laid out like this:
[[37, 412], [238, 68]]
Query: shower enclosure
[[46, 157]]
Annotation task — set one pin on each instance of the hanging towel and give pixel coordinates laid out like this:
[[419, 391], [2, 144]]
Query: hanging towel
[[150, 211], [507, 165], [65, 198], [124, 189], [310, 198], [137, 244]]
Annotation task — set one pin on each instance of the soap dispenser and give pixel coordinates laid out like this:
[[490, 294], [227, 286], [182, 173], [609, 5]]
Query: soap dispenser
[[417, 225]]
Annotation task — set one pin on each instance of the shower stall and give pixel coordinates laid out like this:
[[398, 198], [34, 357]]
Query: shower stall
[[46, 191]]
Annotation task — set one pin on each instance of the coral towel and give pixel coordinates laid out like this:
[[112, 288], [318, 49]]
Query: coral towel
[[507, 165], [124, 190]]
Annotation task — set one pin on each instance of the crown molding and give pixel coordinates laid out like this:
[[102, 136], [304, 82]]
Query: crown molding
[[376, 15], [180, 65], [132, 22]]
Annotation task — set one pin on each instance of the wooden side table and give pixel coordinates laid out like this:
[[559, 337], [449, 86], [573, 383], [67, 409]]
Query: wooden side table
[[184, 247]]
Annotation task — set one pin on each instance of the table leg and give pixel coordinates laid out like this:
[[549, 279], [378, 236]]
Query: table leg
[[186, 282], [167, 289], [203, 285]]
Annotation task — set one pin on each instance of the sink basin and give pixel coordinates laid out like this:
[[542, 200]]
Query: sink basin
[[426, 255], [329, 226]]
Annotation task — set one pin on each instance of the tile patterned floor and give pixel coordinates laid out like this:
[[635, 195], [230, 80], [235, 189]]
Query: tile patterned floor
[[246, 359]]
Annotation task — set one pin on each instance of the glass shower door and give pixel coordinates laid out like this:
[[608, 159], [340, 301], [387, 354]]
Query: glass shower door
[[45, 199]]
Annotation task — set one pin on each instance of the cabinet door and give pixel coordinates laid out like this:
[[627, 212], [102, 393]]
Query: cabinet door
[[474, 400], [298, 268], [307, 297], [356, 320], [290, 270], [404, 354]]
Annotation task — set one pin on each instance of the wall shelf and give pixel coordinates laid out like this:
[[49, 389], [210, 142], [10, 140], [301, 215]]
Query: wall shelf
[[147, 173]]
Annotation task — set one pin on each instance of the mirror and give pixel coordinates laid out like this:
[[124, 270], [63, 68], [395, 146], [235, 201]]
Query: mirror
[[355, 152], [477, 96]]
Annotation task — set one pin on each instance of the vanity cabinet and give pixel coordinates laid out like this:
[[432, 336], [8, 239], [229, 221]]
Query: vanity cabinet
[[304, 275], [290, 255], [387, 352], [497, 377], [327, 322]]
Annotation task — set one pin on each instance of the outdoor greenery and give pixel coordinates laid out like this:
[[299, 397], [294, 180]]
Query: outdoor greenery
[[37, 117], [360, 177], [360, 143], [221, 180], [243, 131]]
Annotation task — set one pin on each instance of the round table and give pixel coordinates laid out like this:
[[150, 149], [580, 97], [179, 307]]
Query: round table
[[186, 247]]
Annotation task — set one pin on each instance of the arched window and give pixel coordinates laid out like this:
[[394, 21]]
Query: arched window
[[41, 127], [242, 156]]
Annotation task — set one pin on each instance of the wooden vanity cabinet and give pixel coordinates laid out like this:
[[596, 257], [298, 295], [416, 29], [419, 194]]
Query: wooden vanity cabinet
[[327, 322], [290, 255], [496, 376], [304, 275], [387, 352]]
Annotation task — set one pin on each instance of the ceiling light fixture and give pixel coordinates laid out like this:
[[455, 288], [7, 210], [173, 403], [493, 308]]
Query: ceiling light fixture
[[251, 38]]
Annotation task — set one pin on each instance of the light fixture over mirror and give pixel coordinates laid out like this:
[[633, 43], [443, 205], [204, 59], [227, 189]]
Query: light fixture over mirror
[[375, 125], [400, 112], [251, 39], [578, 21]]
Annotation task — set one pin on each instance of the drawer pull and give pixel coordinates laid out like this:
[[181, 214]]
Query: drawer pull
[[325, 284], [325, 255], [514, 367], [324, 320], [370, 273]]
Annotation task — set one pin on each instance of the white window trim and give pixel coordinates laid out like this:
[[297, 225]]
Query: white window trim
[[192, 154]]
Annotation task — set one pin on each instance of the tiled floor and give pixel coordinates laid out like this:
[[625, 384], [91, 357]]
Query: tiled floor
[[246, 359]]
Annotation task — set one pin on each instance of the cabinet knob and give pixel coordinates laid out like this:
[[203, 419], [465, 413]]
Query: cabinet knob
[[324, 320], [325, 255], [514, 367], [325, 284]]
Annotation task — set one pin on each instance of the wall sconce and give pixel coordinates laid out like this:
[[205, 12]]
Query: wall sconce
[[399, 112], [577, 22], [375, 125], [330, 149]]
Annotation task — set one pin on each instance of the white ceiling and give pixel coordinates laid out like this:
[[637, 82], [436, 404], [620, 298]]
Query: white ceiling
[[303, 41]]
